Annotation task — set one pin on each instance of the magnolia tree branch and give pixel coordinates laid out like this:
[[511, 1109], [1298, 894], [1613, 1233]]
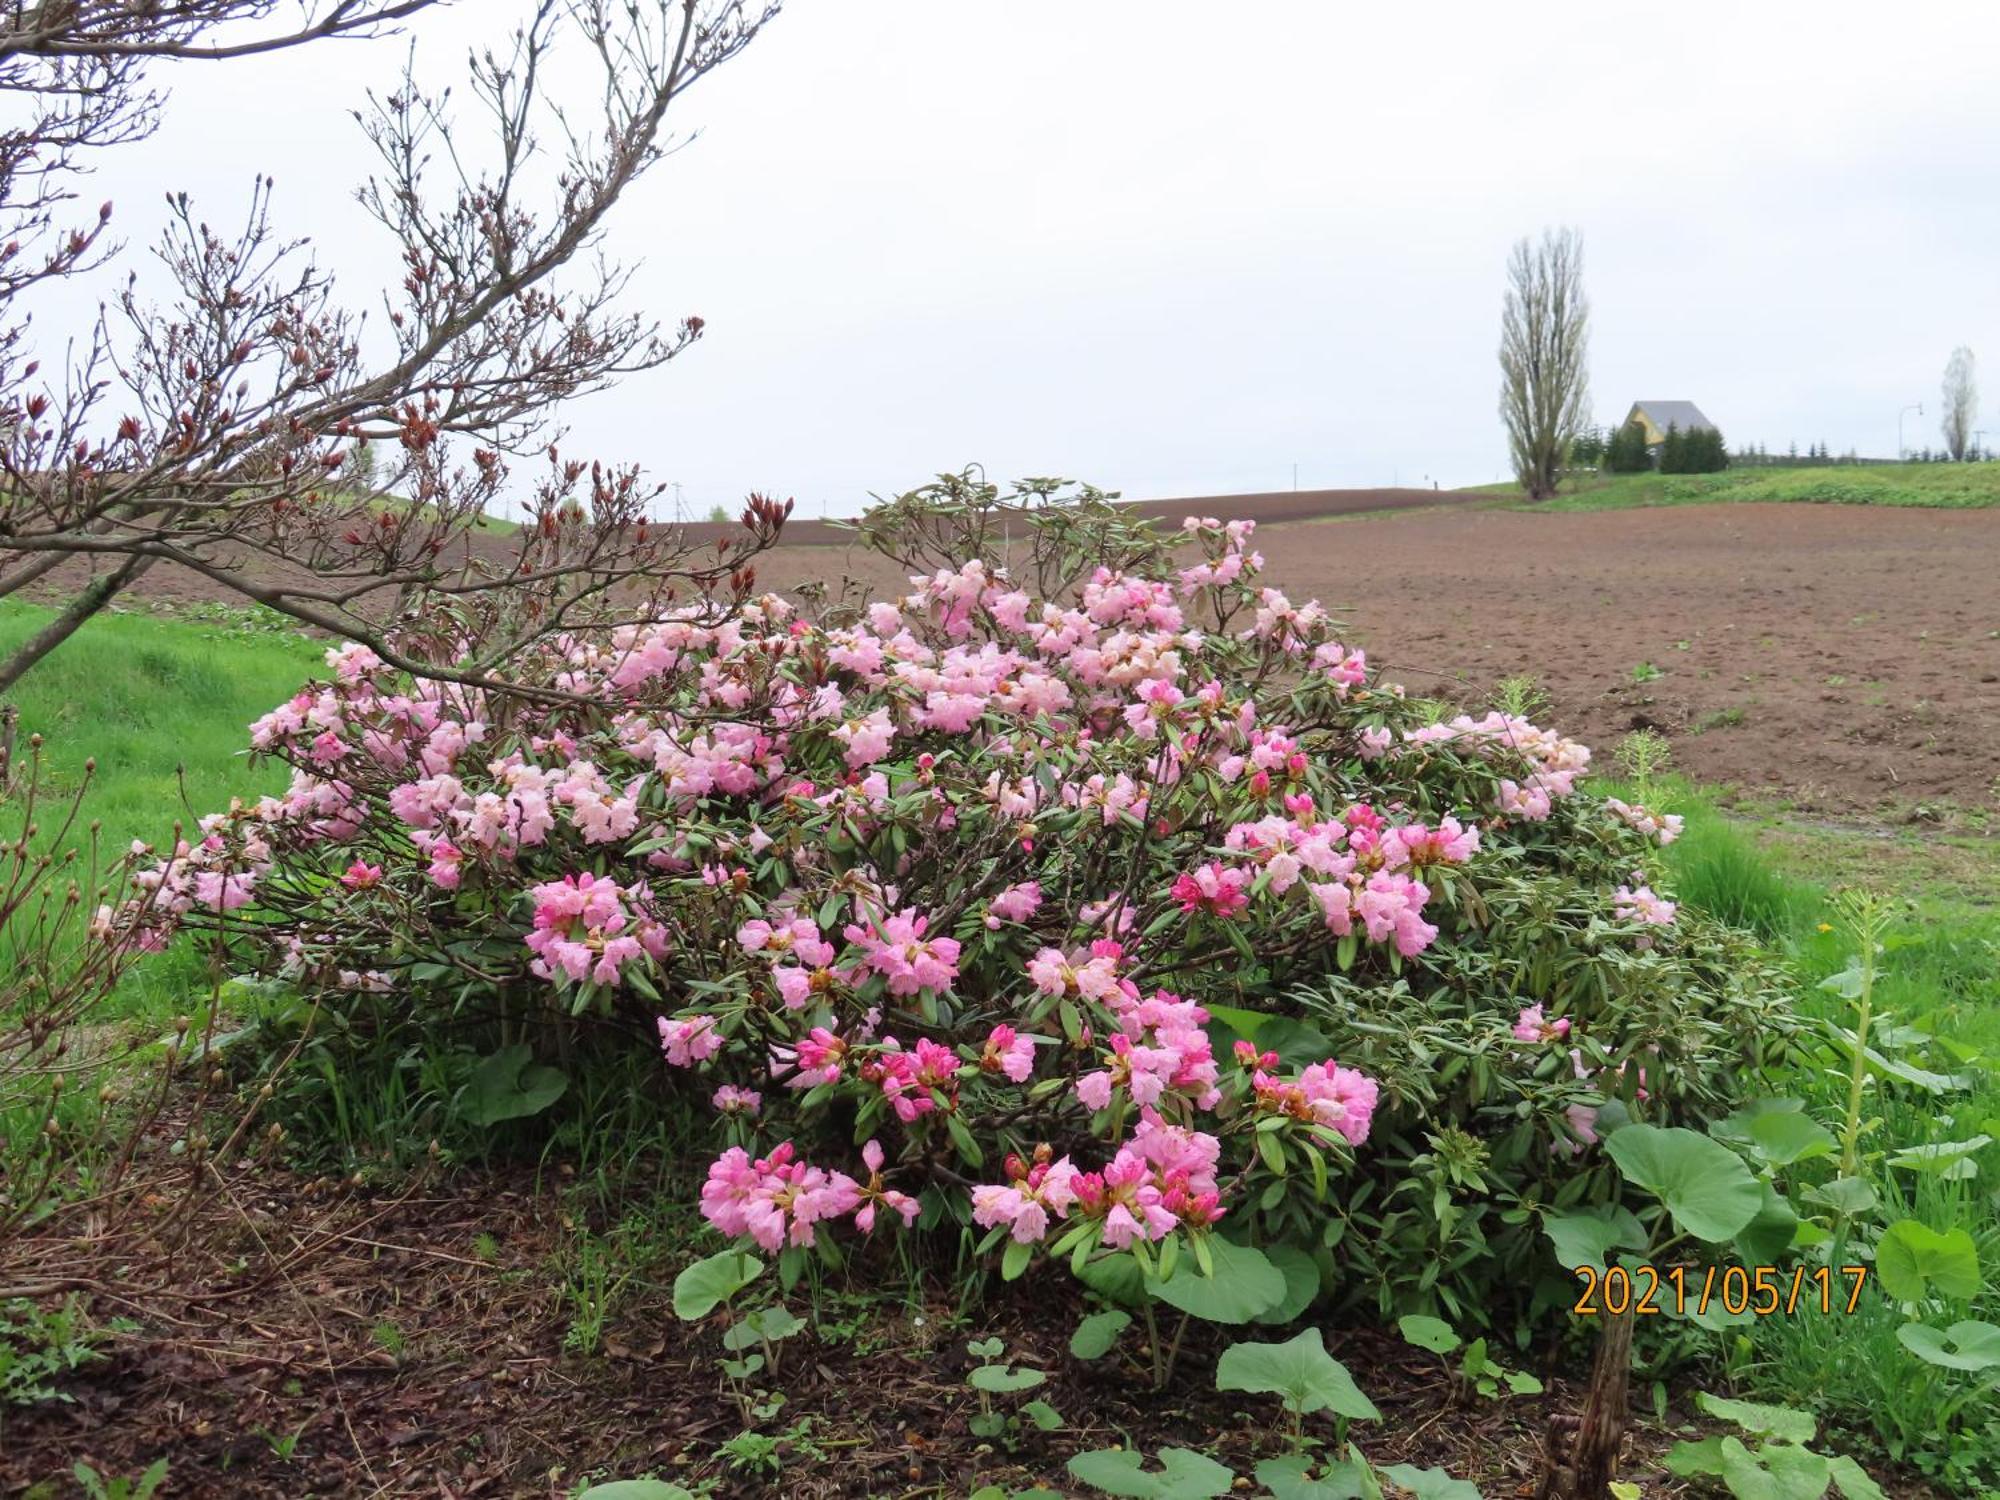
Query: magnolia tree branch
[[221, 428]]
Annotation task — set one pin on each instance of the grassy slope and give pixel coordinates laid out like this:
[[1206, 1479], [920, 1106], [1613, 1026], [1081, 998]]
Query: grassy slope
[[161, 704], [1948, 486]]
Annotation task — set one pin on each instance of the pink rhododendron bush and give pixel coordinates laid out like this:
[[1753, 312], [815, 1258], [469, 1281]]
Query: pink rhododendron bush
[[1092, 895]]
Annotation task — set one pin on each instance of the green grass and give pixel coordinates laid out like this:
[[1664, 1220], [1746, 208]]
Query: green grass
[[1939, 486], [162, 705], [1940, 977]]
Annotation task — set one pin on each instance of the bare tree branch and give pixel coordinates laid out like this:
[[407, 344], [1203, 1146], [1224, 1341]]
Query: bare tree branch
[[1544, 357]]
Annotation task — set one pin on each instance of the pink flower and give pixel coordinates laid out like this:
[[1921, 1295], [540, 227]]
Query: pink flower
[[1015, 904], [1639, 904], [867, 740], [1531, 1027], [898, 949], [1215, 888], [872, 1194], [1341, 1099], [224, 892], [689, 1041], [1009, 1053], [775, 1200], [732, 1100], [584, 930], [361, 876]]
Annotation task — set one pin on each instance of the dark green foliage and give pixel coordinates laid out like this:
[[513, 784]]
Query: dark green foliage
[[1626, 452], [1587, 449], [1700, 451]]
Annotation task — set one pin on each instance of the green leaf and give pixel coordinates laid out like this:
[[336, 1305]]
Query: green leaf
[[707, 1284], [1852, 1480], [1705, 1186], [1970, 1345], [1014, 1259], [510, 1085], [1344, 1479], [1947, 1159], [1583, 1237], [1301, 1275], [1298, 1370], [1004, 1380], [1847, 1196], [1758, 1420], [1430, 1484], [1183, 1474], [1433, 1334], [1096, 1334], [636, 1489], [1780, 1138], [1116, 1278], [1244, 1285], [1044, 1416], [1769, 1234], [1912, 1259]]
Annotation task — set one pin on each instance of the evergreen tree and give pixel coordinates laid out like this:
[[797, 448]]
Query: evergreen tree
[[1673, 452]]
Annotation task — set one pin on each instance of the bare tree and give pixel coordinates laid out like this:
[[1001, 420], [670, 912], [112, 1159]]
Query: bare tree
[[1544, 357], [215, 429], [1961, 402]]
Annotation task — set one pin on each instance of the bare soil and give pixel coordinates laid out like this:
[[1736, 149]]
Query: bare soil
[[1836, 659], [1832, 658]]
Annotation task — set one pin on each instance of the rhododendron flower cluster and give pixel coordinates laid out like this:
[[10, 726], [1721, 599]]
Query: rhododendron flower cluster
[[982, 873]]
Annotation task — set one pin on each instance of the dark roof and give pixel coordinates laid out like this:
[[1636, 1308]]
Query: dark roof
[[1682, 414]]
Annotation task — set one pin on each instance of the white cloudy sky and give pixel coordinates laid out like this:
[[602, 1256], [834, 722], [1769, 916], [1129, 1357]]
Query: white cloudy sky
[[1177, 248]]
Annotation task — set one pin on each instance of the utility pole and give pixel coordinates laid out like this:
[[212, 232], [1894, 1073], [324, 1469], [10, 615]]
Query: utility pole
[[1295, 479]]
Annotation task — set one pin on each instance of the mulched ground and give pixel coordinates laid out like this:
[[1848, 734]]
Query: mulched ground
[[331, 1341]]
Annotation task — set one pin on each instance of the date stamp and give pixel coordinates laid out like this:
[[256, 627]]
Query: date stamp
[[1761, 1291]]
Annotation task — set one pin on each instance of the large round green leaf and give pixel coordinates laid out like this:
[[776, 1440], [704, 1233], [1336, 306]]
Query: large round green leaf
[[636, 1489], [1970, 1345], [1298, 1370], [706, 1284], [1584, 1236], [1301, 1273], [1244, 1286], [1183, 1474], [1705, 1186], [1912, 1260]]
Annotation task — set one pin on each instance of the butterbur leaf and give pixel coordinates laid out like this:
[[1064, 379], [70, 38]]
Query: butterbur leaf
[[1847, 1196], [1430, 1484], [707, 1284], [1769, 1234], [1780, 1138], [1301, 1275], [1096, 1334], [1852, 1480], [1292, 1478], [1183, 1474], [1300, 1371], [1759, 1420], [1004, 1380], [1433, 1334], [1705, 1186], [1044, 1416], [1912, 1260], [1245, 1284], [636, 1489], [1948, 1159], [1969, 1345], [510, 1085], [1583, 1237]]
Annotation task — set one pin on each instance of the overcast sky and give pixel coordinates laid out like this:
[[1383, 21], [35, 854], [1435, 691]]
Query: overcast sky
[[1177, 249]]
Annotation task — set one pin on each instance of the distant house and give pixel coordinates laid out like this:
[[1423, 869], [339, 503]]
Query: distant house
[[1657, 416]]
